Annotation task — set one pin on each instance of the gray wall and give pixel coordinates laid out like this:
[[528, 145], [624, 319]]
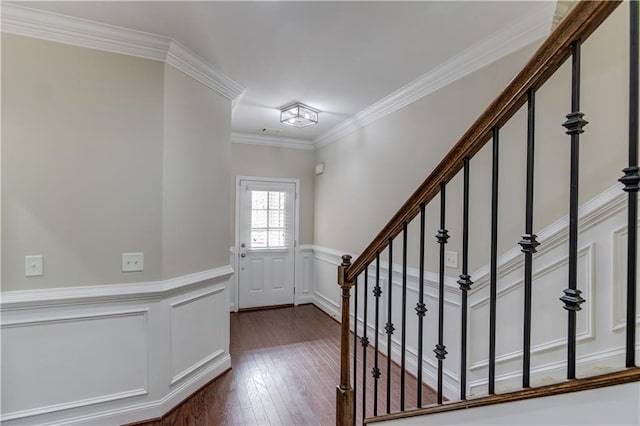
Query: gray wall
[[371, 172], [104, 154], [265, 161], [81, 163], [197, 130]]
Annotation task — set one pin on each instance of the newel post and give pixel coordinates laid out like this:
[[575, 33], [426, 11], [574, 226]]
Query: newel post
[[344, 392]]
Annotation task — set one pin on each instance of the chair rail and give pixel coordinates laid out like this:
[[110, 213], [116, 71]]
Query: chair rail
[[578, 25]]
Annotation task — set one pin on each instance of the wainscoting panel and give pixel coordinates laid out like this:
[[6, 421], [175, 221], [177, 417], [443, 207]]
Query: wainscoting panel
[[601, 278], [53, 361], [111, 354], [305, 275], [196, 335], [619, 281]]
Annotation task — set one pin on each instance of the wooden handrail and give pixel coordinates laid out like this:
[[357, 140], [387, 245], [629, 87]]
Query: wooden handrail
[[578, 25]]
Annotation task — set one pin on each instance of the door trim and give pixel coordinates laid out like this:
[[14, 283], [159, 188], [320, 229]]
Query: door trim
[[296, 231]]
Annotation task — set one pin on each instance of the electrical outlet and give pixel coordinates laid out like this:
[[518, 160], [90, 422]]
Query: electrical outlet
[[33, 266], [132, 262], [451, 259]]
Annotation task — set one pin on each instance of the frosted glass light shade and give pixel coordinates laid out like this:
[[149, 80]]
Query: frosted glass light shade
[[298, 115]]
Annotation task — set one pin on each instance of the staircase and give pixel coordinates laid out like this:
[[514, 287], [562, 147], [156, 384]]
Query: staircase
[[366, 392]]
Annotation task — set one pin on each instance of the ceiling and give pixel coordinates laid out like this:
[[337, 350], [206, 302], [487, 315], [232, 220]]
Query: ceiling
[[339, 57]]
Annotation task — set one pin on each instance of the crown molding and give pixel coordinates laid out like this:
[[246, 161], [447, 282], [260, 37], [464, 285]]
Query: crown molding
[[272, 141], [183, 59], [498, 45], [49, 26]]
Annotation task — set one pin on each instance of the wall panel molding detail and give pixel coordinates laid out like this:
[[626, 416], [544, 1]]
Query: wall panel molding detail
[[49, 26], [601, 270], [619, 279], [588, 312], [194, 333], [124, 354]]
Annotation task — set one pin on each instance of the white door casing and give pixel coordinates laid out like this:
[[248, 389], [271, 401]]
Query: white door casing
[[266, 238]]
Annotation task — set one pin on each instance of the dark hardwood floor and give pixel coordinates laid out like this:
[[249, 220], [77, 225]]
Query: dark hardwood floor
[[285, 367]]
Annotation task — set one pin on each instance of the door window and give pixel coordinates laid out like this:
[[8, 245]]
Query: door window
[[268, 226]]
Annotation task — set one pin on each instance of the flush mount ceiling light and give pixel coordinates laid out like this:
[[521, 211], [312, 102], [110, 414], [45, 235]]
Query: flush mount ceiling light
[[299, 115]]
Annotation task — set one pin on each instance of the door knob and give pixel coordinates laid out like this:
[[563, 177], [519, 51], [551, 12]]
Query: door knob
[[243, 255]]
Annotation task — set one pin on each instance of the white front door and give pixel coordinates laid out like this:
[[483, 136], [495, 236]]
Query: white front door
[[266, 220]]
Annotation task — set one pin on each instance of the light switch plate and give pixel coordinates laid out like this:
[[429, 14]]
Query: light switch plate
[[451, 259], [33, 266], [132, 262]]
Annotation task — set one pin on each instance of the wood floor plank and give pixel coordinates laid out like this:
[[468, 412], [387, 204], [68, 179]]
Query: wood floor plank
[[285, 367]]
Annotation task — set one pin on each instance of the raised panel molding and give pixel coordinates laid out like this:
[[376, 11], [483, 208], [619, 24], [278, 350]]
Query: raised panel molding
[[193, 333], [588, 311], [591, 213], [619, 280], [134, 377], [87, 324], [601, 273], [44, 25]]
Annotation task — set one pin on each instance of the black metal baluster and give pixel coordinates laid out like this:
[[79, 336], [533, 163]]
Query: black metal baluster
[[574, 125], [404, 316], [464, 282], [442, 237], [630, 181], [528, 242], [389, 326], [365, 344], [355, 347], [421, 309], [375, 372], [493, 286]]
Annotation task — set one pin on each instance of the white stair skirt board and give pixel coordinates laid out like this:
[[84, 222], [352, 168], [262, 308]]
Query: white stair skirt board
[[112, 354], [613, 405]]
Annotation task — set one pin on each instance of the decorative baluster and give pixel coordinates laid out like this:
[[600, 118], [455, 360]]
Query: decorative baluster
[[421, 309], [464, 282], [493, 285], [344, 392], [442, 237], [631, 180], [528, 242], [389, 326], [365, 344], [404, 316], [574, 125], [375, 372], [355, 347]]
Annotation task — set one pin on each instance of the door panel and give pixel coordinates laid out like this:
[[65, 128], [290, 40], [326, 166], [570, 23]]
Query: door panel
[[266, 253]]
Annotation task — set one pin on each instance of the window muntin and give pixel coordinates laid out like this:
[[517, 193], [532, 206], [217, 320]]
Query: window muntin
[[268, 226]]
